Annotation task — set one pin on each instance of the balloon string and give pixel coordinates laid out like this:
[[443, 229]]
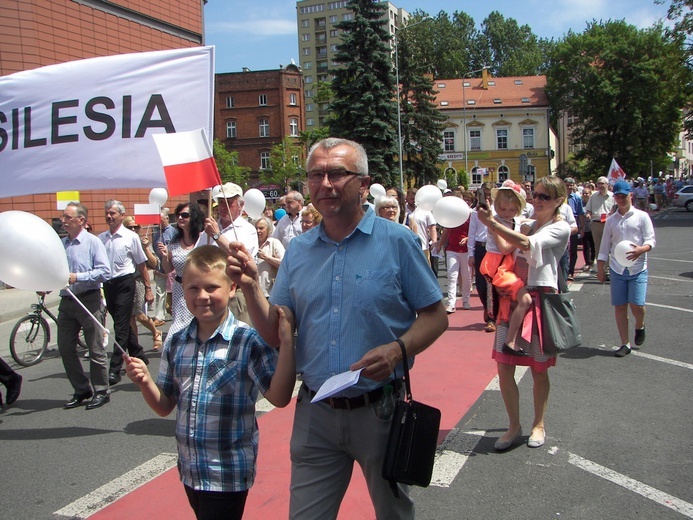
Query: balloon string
[[98, 323]]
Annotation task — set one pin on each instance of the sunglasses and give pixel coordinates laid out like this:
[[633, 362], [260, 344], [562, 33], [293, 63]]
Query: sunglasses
[[183, 214], [133, 227], [544, 197]]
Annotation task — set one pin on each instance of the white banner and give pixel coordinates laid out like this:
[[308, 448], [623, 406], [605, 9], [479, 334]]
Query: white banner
[[88, 124]]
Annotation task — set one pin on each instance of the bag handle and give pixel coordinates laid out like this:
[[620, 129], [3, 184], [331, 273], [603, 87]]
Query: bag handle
[[405, 364], [562, 285]]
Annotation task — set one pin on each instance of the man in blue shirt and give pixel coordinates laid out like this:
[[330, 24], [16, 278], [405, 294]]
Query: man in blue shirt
[[575, 203], [356, 285], [88, 264]]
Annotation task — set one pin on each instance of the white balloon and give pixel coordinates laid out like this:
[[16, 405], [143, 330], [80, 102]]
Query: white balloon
[[620, 251], [442, 184], [427, 196], [451, 212], [33, 257], [158, 196], [377, 190], [254, 203]]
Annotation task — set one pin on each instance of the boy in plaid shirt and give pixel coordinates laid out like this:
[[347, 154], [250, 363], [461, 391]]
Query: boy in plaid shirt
[[212, 371]]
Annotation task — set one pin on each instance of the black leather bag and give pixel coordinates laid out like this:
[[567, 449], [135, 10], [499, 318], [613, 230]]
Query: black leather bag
[[411, 446], [560, 326]]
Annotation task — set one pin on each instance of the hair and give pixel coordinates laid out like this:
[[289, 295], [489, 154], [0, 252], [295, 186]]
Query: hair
[[268, 222], [555, 188], [412, 191], [115, 203], [509, 196], [297, 196], [81, 210], [128, 220], [603, 179], [197, 221], [361, 162], [317, 217], [207, 258], [402, 202], [387, 200]]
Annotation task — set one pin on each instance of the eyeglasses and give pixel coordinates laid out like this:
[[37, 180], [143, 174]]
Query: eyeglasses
[[335, 175], [183, 214], [68, 217], [393, 208], [544, 197]]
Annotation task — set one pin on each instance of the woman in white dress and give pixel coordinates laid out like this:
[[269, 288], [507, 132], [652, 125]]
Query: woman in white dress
[[269, 256]]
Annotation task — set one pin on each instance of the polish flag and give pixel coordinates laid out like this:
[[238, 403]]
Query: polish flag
[[616, 173], [147, 214], [188, 161]]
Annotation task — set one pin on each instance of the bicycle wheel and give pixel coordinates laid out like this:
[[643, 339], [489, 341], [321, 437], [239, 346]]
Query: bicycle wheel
[[29, 339]]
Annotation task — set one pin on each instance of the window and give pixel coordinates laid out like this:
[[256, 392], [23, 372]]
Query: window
[[310, 121], [308, 65], [477, 176], [264, 127], [305, 37], [337, 5], [292, 99], [334, 18], [229, 102], [449, 140], [475, 139], [347, 17], [230, 129], [308, 79], [305, 23], [309, 94], [293, 127], [262, 100], [309, 107], [306, 51], [334, 47], [334, 33], [264, 160], [502, 138], [313, 9], [503, 173], [527, 138]]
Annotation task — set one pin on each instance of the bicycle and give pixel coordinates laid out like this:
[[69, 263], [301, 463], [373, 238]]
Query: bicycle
[[31, 334]]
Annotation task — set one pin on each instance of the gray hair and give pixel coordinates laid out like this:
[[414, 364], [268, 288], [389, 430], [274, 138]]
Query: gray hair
[[117, 204], [268, 223], [387, 201], [80, 208], [296, 195], [361, 163]]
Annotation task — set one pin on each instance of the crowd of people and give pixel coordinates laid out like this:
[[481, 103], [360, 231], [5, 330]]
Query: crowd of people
[[336, 285]]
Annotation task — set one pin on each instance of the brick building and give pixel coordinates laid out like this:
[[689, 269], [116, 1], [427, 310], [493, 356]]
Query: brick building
[[255, 110], [35, 33]]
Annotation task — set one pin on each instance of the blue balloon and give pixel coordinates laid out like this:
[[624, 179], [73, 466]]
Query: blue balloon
[[279, 213]]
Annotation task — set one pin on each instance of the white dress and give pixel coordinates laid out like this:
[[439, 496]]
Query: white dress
[[179, 310]]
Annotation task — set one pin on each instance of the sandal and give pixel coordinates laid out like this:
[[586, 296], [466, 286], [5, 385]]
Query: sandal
[[157, 340]]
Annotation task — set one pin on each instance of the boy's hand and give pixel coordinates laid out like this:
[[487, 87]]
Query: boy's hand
[[240, 267], [285, 327], [137, 371]]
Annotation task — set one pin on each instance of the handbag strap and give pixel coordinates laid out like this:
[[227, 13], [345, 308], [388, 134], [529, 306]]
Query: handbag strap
[[562, 285], [405, 364]]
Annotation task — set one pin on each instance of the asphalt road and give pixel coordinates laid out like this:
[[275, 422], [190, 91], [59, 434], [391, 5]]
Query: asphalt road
[[619, 430]]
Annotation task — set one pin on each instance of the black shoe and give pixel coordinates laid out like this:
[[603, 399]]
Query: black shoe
[[512, 352], [623, 351], [99, 399], [13, 389], [77, 400], [639, 340], [113, 378]]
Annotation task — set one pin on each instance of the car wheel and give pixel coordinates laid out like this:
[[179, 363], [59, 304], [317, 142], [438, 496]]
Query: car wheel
[[689, 205]]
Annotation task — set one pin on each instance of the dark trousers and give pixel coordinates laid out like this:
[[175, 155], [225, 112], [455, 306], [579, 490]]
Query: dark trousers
[[120, 294], [573, 248], [72, 319], [482, 284], [6, 373], [588, 252], [217, 505]]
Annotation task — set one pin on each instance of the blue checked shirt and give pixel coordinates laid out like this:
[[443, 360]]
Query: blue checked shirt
[[352, 296], [216, 384], [87, 258]]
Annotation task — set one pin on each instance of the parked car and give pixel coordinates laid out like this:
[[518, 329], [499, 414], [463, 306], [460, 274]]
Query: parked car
[[683, 198]]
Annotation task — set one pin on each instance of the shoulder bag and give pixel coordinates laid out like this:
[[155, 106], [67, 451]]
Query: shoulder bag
[[560, 327], [411, 446]]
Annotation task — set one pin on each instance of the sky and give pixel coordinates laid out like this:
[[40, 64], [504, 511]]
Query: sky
[[262, 34]]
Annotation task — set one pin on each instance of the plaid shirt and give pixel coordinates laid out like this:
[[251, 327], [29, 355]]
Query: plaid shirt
[[216, 384]]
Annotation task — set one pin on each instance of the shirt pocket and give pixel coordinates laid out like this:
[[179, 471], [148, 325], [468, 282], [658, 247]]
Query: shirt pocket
[[375, 289], [222, 376]]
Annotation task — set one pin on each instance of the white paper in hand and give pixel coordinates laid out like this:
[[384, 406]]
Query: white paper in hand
[[335, 384]]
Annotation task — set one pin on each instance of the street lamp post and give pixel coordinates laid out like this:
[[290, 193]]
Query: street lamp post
[[464, 116], [399, 111]]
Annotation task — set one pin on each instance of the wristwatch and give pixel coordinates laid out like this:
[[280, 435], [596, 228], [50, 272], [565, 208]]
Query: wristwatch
[[216, 236]]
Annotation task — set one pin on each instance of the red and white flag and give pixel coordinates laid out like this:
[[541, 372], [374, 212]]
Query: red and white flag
[[616, 173], [147, 214], [188, 161]]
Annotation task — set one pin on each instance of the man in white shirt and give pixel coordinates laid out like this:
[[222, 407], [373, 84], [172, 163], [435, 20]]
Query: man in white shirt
[[231, 227], [125, 256], [289, 226], [598, 208], [426, 224], [628, 282]]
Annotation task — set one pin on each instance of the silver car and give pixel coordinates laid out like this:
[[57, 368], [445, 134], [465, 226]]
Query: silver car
[[683, 198]]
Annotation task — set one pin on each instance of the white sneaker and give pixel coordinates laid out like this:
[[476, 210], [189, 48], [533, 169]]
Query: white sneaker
[[466, 306], [450, 309]]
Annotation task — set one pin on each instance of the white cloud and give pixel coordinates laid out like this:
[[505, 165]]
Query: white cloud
[[262, 27]]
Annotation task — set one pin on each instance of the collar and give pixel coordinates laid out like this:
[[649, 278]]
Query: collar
[[364, 226]]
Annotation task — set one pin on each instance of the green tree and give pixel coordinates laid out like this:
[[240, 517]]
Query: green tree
[[310, 137], [285, 163], [626, 87], [363, 107], [421, 121], [227, 164]]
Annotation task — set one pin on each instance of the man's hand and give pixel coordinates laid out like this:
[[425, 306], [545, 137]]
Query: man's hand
[[211, 226], [379, 363], [240, 266]]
